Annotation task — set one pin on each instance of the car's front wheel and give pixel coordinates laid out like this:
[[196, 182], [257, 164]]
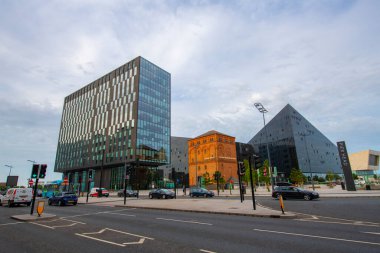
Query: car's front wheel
[[191, 195], [165, 197], [150, 196], [49, 202], [205, 195], [307, 197], [60, 203]]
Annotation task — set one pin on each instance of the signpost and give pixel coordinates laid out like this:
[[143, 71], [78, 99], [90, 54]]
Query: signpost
[[40, 207]]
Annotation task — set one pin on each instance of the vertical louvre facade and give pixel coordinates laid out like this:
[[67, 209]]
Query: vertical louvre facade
[[121, 118]]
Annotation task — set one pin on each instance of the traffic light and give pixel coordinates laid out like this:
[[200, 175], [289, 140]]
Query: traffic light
[[258, 162], [35, 170], [90, 175], [43, 171], [241, 168]]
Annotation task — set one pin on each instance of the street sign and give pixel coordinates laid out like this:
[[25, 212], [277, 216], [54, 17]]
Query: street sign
[[40, 207], [30, 182]]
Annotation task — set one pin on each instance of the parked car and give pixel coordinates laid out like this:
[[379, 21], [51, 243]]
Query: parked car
[[294, 192], [161, 193], [63, 198], [17, 196], [129, 193], [201, 192], [283, 184], [1, 197], [95, 191]]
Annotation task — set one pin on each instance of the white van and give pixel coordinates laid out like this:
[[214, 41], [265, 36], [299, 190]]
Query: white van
[[17, 196]]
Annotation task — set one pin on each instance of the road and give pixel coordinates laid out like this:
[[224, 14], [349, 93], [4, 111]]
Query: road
[[92, 228], [363, 209]]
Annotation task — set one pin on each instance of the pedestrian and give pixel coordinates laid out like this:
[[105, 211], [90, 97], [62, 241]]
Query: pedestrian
[[184, 189]]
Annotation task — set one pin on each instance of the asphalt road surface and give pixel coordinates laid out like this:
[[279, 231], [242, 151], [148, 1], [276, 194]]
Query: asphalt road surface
[[358, 208], [92, 228]]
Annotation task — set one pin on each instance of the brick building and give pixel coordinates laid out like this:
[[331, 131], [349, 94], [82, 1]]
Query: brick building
[[211, 152]]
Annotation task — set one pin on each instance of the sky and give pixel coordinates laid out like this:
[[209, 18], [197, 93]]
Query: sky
[[322, 57]]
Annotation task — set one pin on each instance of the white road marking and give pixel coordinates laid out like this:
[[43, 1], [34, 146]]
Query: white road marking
[[140, 241], [73, 221], [194, 222], [13, 223], [339, 219], [374, 233], [42, 225], [131, 215], [316, 236], [87, 214], [207, 251], [342, 223]]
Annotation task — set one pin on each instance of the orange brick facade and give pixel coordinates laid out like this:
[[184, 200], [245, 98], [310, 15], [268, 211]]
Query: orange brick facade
[[210, 152]]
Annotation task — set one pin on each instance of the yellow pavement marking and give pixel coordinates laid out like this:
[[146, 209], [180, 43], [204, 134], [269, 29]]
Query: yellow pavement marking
[[316, 236], [195, 222]]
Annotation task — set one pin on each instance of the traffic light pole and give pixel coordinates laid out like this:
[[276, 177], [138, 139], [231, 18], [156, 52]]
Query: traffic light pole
[[35, 190], [88, 189], [251, 178]]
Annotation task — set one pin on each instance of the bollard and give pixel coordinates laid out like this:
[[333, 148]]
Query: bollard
[[281, 204]]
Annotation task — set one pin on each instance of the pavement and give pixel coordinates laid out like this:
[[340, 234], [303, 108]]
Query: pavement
[[226, 203]]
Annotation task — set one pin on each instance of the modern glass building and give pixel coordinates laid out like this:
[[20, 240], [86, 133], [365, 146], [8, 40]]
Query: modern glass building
[[295, 143], [121, 119]]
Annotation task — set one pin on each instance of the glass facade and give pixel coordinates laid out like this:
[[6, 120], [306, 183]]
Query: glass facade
[[153, 127], [121, 118], [296, 143]]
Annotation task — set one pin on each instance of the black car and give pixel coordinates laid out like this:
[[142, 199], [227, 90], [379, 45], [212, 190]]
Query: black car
[[294, 192], [129, 193], [63, 198], [161, 194], [201, 192]]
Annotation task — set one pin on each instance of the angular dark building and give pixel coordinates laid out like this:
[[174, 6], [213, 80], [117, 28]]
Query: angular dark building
[[121, 119], [179, 160], [295, 143]]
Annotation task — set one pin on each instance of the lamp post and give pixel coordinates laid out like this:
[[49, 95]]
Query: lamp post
[[10, 169], [262, 109], [308, 158]]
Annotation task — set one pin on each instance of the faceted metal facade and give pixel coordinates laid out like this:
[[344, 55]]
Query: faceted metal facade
[[295, 143]]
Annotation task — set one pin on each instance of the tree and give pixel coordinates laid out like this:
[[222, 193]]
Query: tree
[[297, 177], [337, 177], [207, 178], [375, 176], [329, 176], [354, 176]]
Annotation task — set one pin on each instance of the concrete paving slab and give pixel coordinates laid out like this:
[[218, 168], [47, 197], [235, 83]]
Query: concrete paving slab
[[217, 206], [34, 217]]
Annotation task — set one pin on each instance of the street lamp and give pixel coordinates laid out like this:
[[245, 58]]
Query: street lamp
[[262, 109], [10, 168], [308, 158]]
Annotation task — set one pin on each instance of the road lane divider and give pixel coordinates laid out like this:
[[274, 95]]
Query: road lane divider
[[184, 221], [316, 236]]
